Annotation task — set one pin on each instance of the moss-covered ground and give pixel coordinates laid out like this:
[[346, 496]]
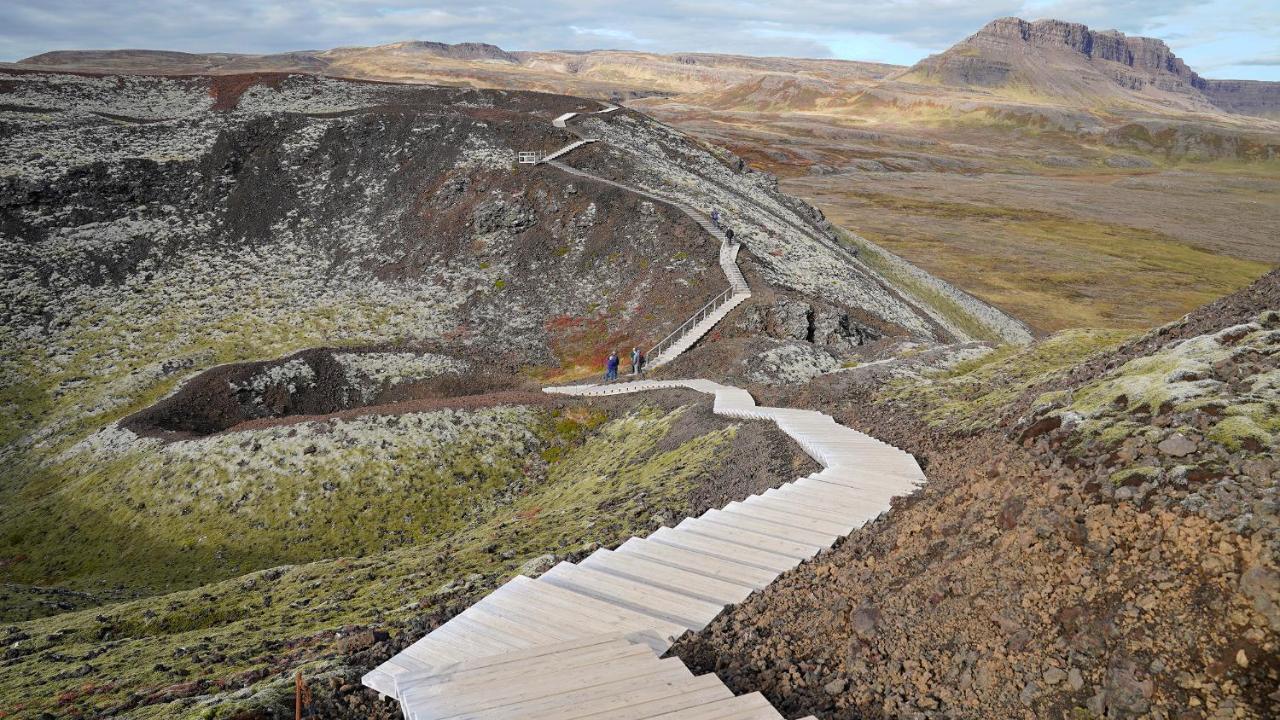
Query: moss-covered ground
[[972, 395], [233, 644]]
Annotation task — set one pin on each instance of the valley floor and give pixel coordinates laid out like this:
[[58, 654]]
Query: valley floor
[[1038, 224]]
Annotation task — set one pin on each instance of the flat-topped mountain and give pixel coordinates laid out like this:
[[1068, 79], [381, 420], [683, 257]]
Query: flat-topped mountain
[[1068, 61]]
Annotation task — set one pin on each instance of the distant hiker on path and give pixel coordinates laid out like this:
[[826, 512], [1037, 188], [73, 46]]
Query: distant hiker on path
[[715, 217], [611, 367], [637, 361], [728, 234]]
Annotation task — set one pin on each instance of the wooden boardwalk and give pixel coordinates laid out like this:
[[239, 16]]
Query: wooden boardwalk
[[510, 654], [584, 640]]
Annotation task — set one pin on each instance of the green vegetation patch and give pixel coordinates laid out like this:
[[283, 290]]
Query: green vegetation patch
[[241, 639], [951, 311], [187, 513], [1185, 377], [972, 394], [1052, 271]]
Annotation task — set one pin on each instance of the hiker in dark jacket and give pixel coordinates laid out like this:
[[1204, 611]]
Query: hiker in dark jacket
[[728, 234]]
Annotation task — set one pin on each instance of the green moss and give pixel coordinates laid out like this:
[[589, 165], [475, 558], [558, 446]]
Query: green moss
[[499, 284], [973, 393], [218, 509], [603, 489], [1134, 475], [1238, 432]]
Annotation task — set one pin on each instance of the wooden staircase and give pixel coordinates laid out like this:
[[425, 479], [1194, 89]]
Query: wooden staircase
[[632, 602]]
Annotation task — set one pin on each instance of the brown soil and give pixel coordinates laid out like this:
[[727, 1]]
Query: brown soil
[[227, 89]]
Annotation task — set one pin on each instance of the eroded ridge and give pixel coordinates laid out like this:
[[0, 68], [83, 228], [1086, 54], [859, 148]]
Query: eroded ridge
[[575, 641], [708, 316]]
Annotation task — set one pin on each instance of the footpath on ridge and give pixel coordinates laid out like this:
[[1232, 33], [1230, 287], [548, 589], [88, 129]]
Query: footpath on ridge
[[584, 640]]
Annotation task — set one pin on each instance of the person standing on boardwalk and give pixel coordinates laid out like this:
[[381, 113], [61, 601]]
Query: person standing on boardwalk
[[611, 367], [728, 235], [637, 361], [715, 217]]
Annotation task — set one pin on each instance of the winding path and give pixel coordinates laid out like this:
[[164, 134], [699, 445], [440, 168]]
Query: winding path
[[584, 640]]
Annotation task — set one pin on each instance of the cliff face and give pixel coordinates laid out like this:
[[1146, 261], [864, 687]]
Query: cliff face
[[1068, 61], [1245, 97], [1141, 53]]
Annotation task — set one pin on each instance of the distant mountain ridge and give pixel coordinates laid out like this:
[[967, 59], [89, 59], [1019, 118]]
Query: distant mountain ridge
[[1061, 62]]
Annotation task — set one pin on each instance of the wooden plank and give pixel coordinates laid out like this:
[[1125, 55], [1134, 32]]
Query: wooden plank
[[694, 561], [563, 647], [664, 576], [789, 518], [833, 498], [676, 607], [752, 706], [712, 691], [429, 705], [747, 538], [586, 606], [791, 506], [533, 636], [724, 550], [609, 697], [790, 494], [773, 529], [538, 612], [473, 628], [511, 611], [459, 679], [880, 498]]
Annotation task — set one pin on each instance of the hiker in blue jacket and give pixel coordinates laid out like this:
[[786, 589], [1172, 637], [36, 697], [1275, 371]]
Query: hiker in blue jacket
[[611, 367], [715, 217]]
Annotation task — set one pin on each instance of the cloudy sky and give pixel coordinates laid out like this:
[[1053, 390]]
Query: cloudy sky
[[1219, 38]]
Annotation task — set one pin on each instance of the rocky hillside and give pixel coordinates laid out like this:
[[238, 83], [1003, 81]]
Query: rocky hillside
[[156, 227], [1098, 538], [1247, 97], [1070, 63]]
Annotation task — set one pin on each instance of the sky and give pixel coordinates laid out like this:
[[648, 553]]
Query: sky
[[1218, 38]]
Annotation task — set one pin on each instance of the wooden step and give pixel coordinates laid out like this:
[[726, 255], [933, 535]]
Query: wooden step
[[497, 668], [749, 539], [790, 517], [675, 607], [436, 704], [707, 565], [636, 697], [724, 550], [658, 574], [771, 528]]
